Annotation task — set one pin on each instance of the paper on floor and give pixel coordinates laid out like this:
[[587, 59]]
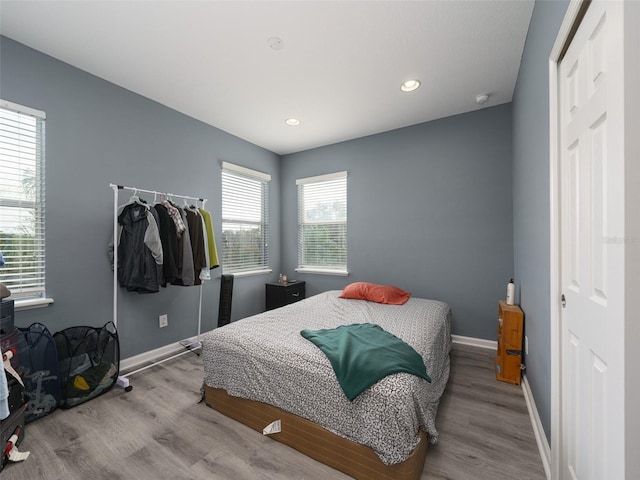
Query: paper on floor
[[273, 427]]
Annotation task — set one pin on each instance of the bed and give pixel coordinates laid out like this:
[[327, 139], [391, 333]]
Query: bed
[[261, 369]]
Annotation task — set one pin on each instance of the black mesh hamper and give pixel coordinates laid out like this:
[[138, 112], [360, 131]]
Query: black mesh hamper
[[38, 367], [88, 361]]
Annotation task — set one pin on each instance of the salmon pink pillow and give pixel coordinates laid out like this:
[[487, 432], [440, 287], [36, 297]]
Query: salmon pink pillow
[[375, 293]]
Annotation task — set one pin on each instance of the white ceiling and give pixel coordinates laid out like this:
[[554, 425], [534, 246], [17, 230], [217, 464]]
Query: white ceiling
[[339, 70]]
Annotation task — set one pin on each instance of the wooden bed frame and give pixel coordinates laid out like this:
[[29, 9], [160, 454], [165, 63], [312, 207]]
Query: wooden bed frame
[[352, 458]]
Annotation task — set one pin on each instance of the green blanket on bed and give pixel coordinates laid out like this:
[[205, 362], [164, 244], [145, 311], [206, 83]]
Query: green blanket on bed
[[363, 353]]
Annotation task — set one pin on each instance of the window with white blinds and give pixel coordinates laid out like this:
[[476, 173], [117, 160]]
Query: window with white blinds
[[322, 224], [22, 235], [245, 220]]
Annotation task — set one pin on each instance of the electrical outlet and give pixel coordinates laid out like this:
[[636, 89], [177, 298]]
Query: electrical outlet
[[163, 320], [526, 345]]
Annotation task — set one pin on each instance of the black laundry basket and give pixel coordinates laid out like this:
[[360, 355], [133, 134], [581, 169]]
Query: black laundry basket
[[38, 367], [10, 345], [88, 361], [17, 399]]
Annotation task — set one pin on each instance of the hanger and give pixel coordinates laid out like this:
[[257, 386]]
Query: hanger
[[135, 198]]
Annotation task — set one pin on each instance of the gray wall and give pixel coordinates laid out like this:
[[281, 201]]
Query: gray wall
[[440, 193], [429, 210], [99, 133], [531, 197]]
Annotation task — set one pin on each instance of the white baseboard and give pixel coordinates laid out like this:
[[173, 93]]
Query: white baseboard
[[541, 438], [475, 342], [132, 363]]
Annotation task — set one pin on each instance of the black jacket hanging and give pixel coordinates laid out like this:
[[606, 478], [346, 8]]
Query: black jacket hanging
[[169, 239], [137, 269]]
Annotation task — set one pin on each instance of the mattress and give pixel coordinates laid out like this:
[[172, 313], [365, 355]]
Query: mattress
[[264, 358]]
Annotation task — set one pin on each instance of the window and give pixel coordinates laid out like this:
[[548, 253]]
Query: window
[[322, 224], [22, 201], [245, 220]]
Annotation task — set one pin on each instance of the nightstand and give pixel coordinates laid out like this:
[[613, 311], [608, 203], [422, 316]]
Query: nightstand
[[509, 356], [281, 294]]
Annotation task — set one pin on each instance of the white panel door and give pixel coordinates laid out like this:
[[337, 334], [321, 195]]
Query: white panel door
[[592, 219]]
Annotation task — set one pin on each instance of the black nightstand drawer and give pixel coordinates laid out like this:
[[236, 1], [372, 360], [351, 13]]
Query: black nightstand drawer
[[6, 316], [281, 294]]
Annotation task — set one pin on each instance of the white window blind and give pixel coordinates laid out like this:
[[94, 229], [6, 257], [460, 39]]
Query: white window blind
[[22, 206], [322, 223], [245, 219]]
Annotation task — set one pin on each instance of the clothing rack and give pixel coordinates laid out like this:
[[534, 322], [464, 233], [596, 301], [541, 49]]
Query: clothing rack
[[189, 344]]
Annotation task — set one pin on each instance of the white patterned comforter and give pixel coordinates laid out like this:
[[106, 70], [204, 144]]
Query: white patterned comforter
[[265, 358]]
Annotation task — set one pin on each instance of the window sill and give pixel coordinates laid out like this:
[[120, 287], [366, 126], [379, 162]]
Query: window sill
[[31, 303], [319, 271], [250, 273]]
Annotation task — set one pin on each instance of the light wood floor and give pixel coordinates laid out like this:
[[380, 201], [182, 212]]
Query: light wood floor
[[159, 431]]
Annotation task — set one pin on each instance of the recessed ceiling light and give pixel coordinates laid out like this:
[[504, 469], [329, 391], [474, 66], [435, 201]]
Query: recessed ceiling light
[[410, 85], [292, 122]]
